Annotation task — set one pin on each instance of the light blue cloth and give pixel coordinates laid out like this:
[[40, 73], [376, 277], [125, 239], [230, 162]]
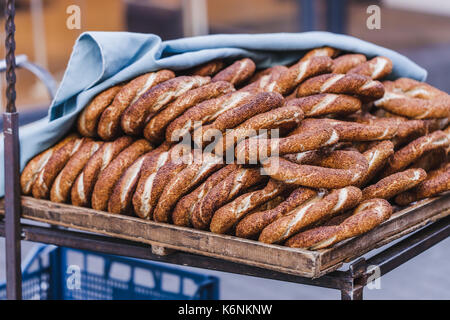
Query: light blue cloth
[[102, 59]]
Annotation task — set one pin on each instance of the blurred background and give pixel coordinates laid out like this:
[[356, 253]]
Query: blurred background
[[419, 29]]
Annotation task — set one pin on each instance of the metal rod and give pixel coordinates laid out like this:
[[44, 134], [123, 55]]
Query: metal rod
[[104, 244], [12, 205], [410, 247], [11, 165], [10, 46]]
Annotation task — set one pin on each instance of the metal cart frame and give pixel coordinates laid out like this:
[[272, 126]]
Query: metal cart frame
[[351, 282]]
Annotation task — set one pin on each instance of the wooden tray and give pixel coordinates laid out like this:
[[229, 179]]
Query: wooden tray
[[311, 264]]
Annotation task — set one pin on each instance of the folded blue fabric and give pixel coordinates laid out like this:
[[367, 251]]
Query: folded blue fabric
[[102, 59]]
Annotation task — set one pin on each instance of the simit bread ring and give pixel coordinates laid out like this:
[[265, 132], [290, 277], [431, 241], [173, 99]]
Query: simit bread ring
[[413, 88], [365, 217], [154, 129], [376, 68], [57, 161], [108, 178], [414, 99], [120, 200], [89, 117], [265, 80], [109, 123], [394, 184], [326, 103], [226, 190], [406, 129], [415, 149], [437, 181], [332, 170], [35, 165], [414, 107], [63, 183], [267, 74], [346, 62], [350, 131], [283, 118], [316, 209], [204, 113], [320, 52], [82, 188], [430, 160], [230, 214], [376, 157], [257, 149], [150, 102], [298, 73], [150, 168], [262, 102], [354, 84], [184, 182], [182, 214], [237, 73], [208, 69], [252, 225]]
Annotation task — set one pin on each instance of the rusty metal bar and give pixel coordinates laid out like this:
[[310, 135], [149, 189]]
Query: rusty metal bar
[[11, 165]]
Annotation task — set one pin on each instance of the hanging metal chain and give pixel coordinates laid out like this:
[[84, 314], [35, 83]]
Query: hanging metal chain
[[10, 45]]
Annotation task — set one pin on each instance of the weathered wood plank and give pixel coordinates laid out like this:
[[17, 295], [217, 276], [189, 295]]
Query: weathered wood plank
[[400, 223], [274, 257], [166, 238]]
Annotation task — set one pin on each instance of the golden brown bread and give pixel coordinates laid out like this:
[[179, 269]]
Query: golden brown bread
[[108, 178], [283, 118], [414, 99], [207, 69], [415, 149], [43, 183], [261, 103], [83, 185], [120, 200], [89, 117], [154, 130], [231, 213], [437, 181], [237, 73], [109, 123], [353, 84], [252, 225], [204, 113], [156, 98], [326, 103], [182, 214], [187, 179], [320, 52], [63, 183], [365, 217], [157, 170], [337, 169], [376, 68], [226, 190], [346, 62], [351, 131], [394, 184], [35, 165], [318, 208], [256, 149]]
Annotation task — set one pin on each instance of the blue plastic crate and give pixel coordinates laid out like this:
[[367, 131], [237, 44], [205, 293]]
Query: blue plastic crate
[[51, 272]]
